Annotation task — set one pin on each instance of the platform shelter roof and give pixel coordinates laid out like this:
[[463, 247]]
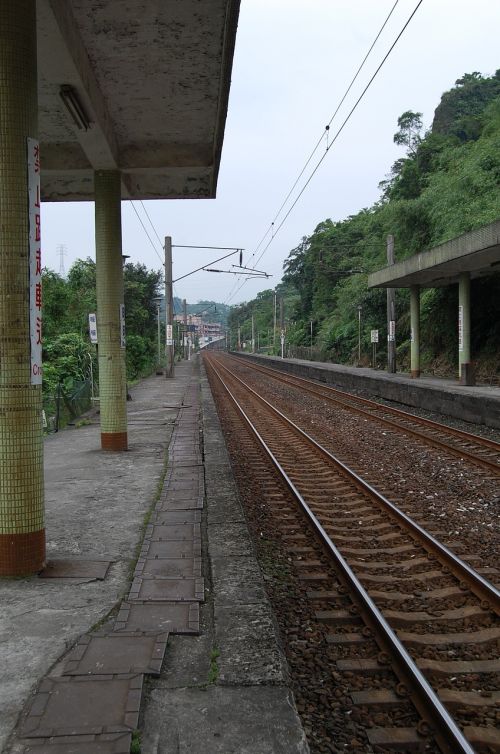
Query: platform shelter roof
[[136, 86], [476, 252]]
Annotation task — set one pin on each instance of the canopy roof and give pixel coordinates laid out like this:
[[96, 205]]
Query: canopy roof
[[144, 88], [477, 252]]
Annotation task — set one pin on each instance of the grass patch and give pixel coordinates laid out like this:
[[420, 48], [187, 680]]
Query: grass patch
[[135, 744], [82, 423], [213, 672]]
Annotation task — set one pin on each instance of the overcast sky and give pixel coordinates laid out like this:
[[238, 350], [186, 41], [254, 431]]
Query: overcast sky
[[293, 62]]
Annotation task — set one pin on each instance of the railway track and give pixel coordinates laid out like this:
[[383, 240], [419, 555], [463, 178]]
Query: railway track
[[478, 450], [420, 605]]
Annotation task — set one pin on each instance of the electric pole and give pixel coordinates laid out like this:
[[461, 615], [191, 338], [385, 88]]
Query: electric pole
[[184, 317], [253, 335], [274, 323], [169, 318]]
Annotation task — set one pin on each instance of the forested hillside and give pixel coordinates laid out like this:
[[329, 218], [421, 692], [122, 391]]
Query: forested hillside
[[66, 306], [446, 182]]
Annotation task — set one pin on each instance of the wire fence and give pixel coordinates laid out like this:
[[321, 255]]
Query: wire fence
[[64, 406]]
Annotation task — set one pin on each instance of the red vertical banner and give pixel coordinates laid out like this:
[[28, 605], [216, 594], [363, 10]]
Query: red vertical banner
[[35, 260]]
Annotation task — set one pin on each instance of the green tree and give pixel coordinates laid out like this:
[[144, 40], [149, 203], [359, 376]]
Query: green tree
[[410, 131]]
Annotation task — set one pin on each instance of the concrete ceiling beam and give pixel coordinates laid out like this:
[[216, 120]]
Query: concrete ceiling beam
[[66, 62]]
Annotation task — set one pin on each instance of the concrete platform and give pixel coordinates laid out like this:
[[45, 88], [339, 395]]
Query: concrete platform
[[479, 404], [223, 690]]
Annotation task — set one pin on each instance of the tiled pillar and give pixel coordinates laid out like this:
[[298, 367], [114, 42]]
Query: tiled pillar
[[415, 330], [22, 533], [109, 281], [463, 322]]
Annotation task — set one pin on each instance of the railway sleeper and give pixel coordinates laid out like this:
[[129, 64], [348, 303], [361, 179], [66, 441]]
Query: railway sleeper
[[400, 618], [458, 667], [483, 636], [399, 739]]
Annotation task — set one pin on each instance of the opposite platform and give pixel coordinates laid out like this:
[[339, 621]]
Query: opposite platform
[[479, 404]]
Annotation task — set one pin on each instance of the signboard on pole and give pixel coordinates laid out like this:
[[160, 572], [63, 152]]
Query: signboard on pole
[[391, 335], [170, 341], [35, 260], [122, 325], [374, 336], [93, 327]]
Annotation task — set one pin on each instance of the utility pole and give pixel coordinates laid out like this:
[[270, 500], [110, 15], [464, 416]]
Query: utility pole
[[253, 335], [274, 323], [169, 318], [239, 338], [282, 326], [359, 335], [311, 351], [184, 318], [391, 313]]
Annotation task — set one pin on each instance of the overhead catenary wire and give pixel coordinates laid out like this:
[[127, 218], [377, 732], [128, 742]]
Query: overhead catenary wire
[[146, 232], [326, 131], [275, 231], [151, 223]]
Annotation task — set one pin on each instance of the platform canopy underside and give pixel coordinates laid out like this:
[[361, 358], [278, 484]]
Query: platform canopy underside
[[476, 252], [152, 82]]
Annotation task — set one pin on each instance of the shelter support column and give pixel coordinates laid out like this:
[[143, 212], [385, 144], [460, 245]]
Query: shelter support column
[[464, 362], [415, 330], [110, 310], [22, 533]]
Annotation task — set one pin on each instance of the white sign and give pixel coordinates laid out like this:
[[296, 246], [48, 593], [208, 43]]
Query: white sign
[[122, 325], [93, 327], [374, 336], [391, 335], [170, 341], [35, 260], [460, 328]]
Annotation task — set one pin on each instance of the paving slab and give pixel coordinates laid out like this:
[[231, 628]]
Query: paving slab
[[222, 721], [109, 743], [75, 706], [167, 518], [179, 502], [75, 569], [174, 617], [168, 567], [181, 548], [185, 460], [172, 532], [249, 652], [112, 653], [229, 538], [237, 580], [159, 589], [184, 473], [222, 508]]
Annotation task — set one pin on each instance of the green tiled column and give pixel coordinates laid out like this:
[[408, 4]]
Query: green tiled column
[[463, 320], [22, 534], [109, 278], [415, 330]]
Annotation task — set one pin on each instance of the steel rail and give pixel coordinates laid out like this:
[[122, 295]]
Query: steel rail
[[466, 436], [448, 734], [483, 588]]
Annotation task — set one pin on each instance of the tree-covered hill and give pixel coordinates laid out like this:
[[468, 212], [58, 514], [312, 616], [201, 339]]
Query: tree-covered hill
[[447, 182]]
